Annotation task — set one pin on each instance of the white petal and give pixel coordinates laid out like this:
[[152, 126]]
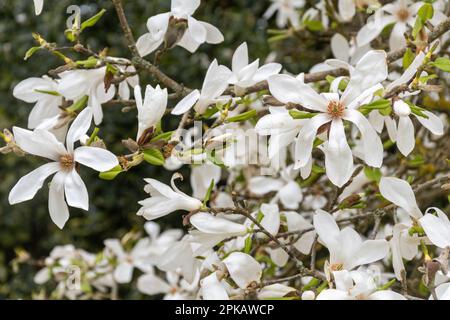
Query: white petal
[[333, 294], [76, 192], [386, 295], [400, 193], [373, 147], [212, 289], [59, 212], [405, 135], [38, 5], [370, 251], [186, 104], [271, 219], [266, 71], [409, 73], [26, 90], [397, 38], [213, 35], [243, 269], [79, 128], [240, 58], [340, 47], [276, 290], [347, 9], [291, 195], [208, 223], [437, 230], [27, 187], [433, 123], [151, 285], [285, 88], [146, 44], [96, 158], [39, 142], [264, 185], [123, 272], [338, 155], [327, 229], [196, 30], [183, 8]]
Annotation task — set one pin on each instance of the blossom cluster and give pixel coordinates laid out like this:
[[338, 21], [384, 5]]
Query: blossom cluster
[[298, 192]]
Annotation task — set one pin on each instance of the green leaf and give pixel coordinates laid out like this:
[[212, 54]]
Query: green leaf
[[243, 116], [210, 112], [52, 93], [297, 114], [317, 169], [30, 52], [373, 174], [248, 245], [378, 104], [211, 154], [313, 25], [92, 20], [90, 62], [78, 105], [154, 157], [385, 112], [426, 12], [442, 64], [70, 35], [111, 174], [163, 136], [408, 58], [208, 192]]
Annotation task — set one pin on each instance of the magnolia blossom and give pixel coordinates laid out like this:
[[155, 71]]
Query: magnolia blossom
[[38, 5], [286, 12], [333, 109], [75, 84], [151, 109], [356, 285], [347, 249], [214, 85], [165, 26], [64, 160], [126, 261], [164, 200], [243, 269], [402, 14], [244, 74], [43, 92], [437, 228]]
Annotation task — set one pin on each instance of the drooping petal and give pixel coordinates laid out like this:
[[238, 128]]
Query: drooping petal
[[27, 187], [400, 193], [433, 123], [327, 229], [38, 5], [59, 212], [76, 193], [196, 30], [243, 269], [186, 104], [96, 158], [207, 223], [405, 135], [373, 147]]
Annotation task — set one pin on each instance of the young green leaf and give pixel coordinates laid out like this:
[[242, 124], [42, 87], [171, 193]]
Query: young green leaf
[[154, 157]]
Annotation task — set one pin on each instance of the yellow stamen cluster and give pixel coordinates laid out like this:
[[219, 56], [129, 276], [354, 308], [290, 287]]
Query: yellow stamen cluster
[[335, 109], [67, 162]]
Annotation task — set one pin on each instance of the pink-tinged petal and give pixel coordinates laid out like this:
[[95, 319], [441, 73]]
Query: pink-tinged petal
[[96, 158], [79, 128], [76, 193], [338, 155], [59, 212], [373, 147], [186, 104], [305, 140], [400, 193], [240, 58], [27, 187], [405, 135], [39, 142]]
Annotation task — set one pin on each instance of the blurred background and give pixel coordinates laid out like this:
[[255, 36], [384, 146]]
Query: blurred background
[[27, 227]]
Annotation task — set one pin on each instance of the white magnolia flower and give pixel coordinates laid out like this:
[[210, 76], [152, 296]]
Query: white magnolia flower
[[243, 269], [164, 200], [43, 92], [333, 109], [197, 32], [402, 14], [403, 133], [347, 249], [126, 261], [212, 288], [437, 228], [75, 84], [356, 285], [286, 12], [38, 5], [214, 85], [247, 74], [64, 160], [287, 189], [151, 109]]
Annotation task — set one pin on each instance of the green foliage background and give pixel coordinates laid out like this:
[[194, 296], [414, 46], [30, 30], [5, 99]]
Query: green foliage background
[[113, 205]]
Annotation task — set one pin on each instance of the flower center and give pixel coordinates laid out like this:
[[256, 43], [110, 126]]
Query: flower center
[[67, 162], [402, 14], [335, 109]]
